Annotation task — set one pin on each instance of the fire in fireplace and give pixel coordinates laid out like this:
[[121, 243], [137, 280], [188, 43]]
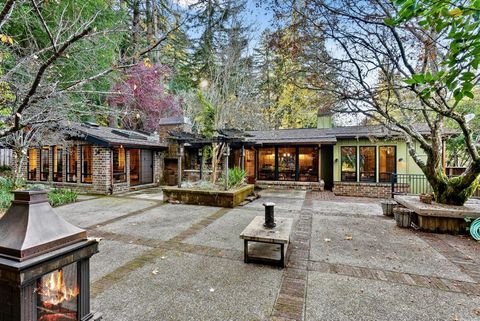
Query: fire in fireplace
[[58, 295], [44, 264]]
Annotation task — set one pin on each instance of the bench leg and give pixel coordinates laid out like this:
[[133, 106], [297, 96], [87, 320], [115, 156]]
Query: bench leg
[[245, 251], [282, 255]]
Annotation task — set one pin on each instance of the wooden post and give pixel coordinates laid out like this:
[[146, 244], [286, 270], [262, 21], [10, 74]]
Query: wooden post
[[242, 158], [179, 165], [225, 164], [200, 154]]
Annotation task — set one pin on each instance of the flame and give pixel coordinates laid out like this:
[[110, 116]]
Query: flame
[[54, 291]]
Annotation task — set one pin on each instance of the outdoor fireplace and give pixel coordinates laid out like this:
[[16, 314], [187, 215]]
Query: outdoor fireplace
[[44, 264]]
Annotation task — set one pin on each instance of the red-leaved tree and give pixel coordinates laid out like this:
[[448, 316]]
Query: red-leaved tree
[[141, 97]]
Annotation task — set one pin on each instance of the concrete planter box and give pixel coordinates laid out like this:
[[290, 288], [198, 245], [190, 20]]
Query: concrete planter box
[[230, 198]]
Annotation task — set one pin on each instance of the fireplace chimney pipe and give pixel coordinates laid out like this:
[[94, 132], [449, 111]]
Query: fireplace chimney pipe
[[269, 215]]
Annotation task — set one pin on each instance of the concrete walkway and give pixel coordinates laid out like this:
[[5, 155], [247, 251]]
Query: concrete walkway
[[347, 262]]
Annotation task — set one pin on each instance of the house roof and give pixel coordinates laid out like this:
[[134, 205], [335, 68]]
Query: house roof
[[302, 135], [108, 136], [330, 135], [175, 120]]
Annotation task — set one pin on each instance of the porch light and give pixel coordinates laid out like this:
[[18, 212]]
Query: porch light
[[200, 152], [227, 151], [180, 150]]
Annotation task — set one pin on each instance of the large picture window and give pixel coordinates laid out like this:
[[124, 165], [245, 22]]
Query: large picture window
[[87, 161], [349, 163], [32, 164], [119, 168], [287, 159], [308, 164], [367, 163], [57, 164], [44, 163], [72, 164], [388, 162], [266, 163]]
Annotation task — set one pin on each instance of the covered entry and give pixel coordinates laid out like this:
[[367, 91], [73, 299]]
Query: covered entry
[[141, 166]]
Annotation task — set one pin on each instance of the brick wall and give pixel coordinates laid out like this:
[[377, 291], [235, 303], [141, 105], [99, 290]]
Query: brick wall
[[101, 172], [378, 190]]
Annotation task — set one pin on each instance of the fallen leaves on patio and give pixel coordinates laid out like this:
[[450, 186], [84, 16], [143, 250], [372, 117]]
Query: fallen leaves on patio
[[476, 311], [327, 240], [155, 272], [348, 237]]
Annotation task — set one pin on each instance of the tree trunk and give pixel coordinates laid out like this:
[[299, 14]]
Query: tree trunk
[[149, 20], [135, 28], [456, 190], [17, 173]]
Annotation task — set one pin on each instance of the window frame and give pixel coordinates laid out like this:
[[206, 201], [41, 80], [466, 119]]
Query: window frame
[[42, 169], [371, 180], [342, 176], [55, 151], [380, 180], [29, 177], [68, 160], [118, 174], [83, 175]]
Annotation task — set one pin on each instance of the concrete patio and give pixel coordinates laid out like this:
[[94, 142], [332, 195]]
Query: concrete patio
[[347, 262]]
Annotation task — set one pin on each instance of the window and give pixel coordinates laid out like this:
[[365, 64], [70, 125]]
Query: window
[[266, 163], [388, 162], [57, 164], [134, 166], [349, 163], [308, 164], [72, 164], [367, 164], [119, 173], [250, 163], [86, 168], [32, 164], [44, 163], [287, 157]]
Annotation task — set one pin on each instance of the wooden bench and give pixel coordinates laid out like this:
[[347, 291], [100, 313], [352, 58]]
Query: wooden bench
[[256, 232]]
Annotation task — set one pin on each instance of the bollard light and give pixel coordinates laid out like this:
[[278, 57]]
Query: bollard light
[[269, 215]]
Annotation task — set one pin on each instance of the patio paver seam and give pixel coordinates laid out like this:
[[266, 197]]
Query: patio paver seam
[[197, 227], [290, 303], [423, 281], [118, 218], [465, 263]]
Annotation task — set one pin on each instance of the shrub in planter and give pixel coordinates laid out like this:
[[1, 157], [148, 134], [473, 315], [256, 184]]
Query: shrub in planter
[[59, 197], [236, 177], [426, 198]]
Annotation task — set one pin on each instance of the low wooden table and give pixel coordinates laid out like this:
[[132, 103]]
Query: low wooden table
[[256, 232]]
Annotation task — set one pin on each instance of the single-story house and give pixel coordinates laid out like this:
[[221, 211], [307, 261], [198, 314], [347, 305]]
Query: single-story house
[[349, 160], [99, 160], [353, 160]]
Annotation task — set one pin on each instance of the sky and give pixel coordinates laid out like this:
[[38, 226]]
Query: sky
[[258, 17]]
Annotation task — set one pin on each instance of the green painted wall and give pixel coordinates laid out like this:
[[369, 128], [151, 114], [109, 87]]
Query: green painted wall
[[406, 166], [324, 121]]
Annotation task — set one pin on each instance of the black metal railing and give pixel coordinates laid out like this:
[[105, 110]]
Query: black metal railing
[[409, 184], [414, 184]]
